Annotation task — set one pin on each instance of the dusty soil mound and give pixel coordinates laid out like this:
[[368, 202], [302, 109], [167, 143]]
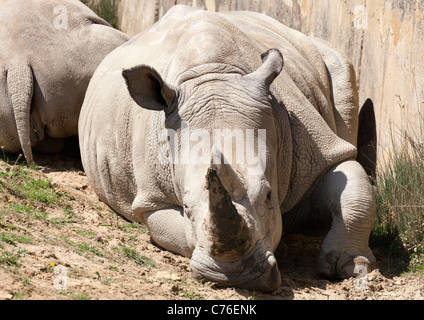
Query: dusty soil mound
[[58, 241]]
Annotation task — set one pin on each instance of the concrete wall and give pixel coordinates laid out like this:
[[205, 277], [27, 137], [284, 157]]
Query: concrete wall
[[384, 40]]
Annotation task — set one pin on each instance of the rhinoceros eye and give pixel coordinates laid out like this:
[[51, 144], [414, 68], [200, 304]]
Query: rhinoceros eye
[[268, 196]]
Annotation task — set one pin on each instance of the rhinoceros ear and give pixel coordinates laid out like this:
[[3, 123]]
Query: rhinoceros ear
[[148, 89], [272, 65]]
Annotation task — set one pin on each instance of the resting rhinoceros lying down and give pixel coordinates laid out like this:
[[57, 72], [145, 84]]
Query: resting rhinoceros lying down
[[218, 152], [49, 50]]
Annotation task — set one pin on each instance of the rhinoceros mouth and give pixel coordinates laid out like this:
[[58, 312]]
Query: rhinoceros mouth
[[258, 271]]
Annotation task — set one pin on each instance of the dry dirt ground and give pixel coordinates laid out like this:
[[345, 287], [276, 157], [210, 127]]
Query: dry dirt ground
[[75, 247]]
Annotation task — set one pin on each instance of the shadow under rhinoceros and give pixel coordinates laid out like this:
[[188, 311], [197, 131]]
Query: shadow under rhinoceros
[[68, 159], [367, 138]]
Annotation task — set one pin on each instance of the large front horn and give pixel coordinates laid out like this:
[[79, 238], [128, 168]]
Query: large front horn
[[228, 233]]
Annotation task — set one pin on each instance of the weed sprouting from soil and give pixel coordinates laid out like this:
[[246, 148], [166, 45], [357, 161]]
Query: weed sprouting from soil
[[400, 196], [105, 9]]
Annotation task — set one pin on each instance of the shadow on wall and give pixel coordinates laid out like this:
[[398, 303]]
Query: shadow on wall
[[367, 138]]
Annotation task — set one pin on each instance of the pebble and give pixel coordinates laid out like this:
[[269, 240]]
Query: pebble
[[5, 296]]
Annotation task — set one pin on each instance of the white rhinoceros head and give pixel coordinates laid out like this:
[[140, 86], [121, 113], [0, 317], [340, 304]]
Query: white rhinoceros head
[[229, 191]]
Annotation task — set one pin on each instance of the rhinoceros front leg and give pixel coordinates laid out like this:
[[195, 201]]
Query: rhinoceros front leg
[[346, 193], [167, 228]]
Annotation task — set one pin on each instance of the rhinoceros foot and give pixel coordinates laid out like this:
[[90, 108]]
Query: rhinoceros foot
[[343, 265]]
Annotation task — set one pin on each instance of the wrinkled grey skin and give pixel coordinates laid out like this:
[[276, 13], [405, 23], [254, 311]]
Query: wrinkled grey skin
[[45, 68], [237, 70]]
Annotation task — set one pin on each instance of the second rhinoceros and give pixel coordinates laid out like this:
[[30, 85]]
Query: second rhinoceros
[[221, 131], [49, 50]]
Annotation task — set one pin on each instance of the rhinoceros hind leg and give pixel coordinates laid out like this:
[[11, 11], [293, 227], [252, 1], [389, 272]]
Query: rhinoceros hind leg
[[346, 193]]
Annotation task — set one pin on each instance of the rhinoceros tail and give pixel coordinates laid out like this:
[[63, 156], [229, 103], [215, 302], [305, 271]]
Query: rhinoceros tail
[[20, 84]]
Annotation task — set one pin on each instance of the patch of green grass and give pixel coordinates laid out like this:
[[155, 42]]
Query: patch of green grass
[[23, 208], [41, 191], [42, 215], [21, 184], [133, 227], [19, 295], [81, 296], [105, 9], [59, 222], [82, 247], [107, 281], [3, 155], [113, 268], [9, 259], [24, 280], [191, 295], [400, 197], [182, 288], [139, 259], [11, 238], [86, 233], [30, 196], [416, 264]]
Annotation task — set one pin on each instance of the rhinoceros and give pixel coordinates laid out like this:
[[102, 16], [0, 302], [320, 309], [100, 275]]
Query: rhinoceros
[[223, 131], [49, 52]]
